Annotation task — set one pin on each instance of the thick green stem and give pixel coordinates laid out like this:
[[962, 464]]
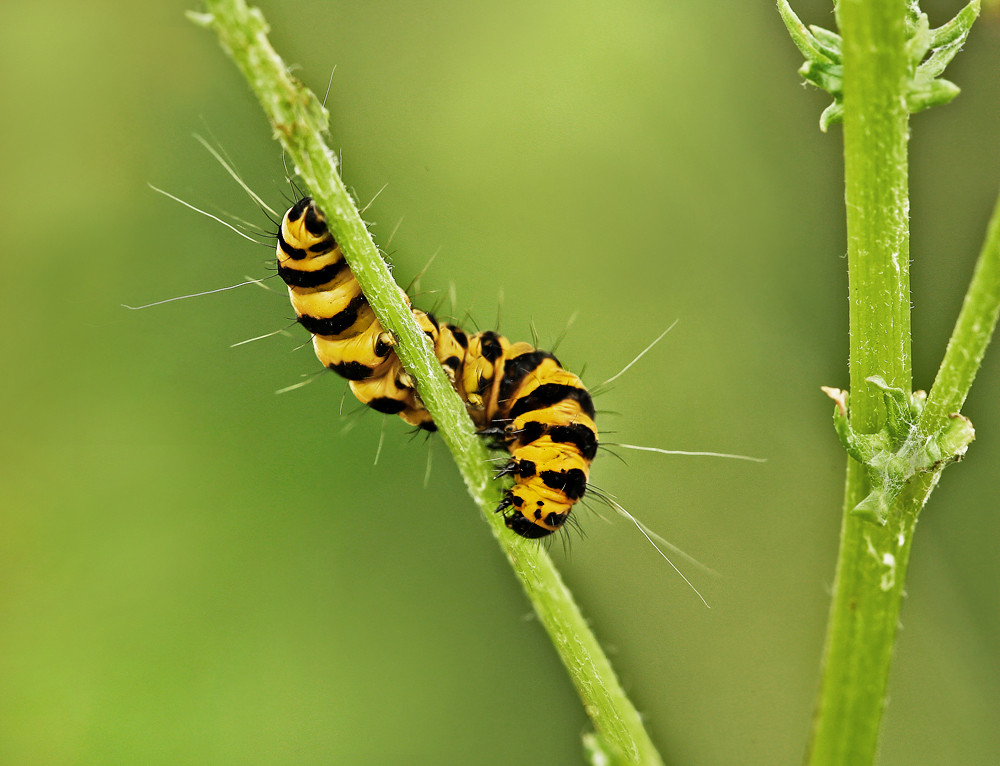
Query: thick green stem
[[876, 194], [299, 121], [868, 585], [873, 557], [861, 632]]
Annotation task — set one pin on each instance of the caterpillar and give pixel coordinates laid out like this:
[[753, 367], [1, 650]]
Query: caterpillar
[[519, 396]]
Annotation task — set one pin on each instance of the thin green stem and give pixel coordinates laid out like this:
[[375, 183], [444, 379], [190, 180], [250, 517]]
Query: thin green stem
[[871, 565], [971, 335], [299, 120]]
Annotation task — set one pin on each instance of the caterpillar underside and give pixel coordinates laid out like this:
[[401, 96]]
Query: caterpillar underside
[[516, 394]]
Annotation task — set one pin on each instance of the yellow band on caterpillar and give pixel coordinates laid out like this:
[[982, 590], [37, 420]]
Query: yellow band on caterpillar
[[522, 397]]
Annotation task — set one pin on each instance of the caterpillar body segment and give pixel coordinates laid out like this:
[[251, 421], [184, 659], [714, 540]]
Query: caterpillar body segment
[[483, 368], [551, 436], [328, 302], [522, 397]]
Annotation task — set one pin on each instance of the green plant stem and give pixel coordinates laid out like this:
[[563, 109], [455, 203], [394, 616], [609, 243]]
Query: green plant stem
[[971, 335], [872, 562], [871, 565], [299, 120]]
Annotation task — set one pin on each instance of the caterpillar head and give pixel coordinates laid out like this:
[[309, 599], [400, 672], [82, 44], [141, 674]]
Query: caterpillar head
[[306, 211]]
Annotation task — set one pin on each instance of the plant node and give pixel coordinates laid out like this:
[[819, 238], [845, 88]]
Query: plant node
[[900, 449]]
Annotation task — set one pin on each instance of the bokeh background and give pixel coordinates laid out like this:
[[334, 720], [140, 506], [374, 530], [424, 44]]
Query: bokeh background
[[194, 570]]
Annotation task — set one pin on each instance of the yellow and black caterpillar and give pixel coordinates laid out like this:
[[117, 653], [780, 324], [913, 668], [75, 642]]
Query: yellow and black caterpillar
[[536, 410]]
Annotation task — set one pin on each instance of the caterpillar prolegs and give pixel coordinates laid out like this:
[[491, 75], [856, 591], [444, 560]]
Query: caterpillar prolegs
[[539, 412]]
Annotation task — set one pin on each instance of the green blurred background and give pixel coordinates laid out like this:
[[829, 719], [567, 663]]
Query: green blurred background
[[194, 570]]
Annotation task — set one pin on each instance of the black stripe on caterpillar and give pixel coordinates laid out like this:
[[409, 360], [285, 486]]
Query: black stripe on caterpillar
[[539, 412]]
